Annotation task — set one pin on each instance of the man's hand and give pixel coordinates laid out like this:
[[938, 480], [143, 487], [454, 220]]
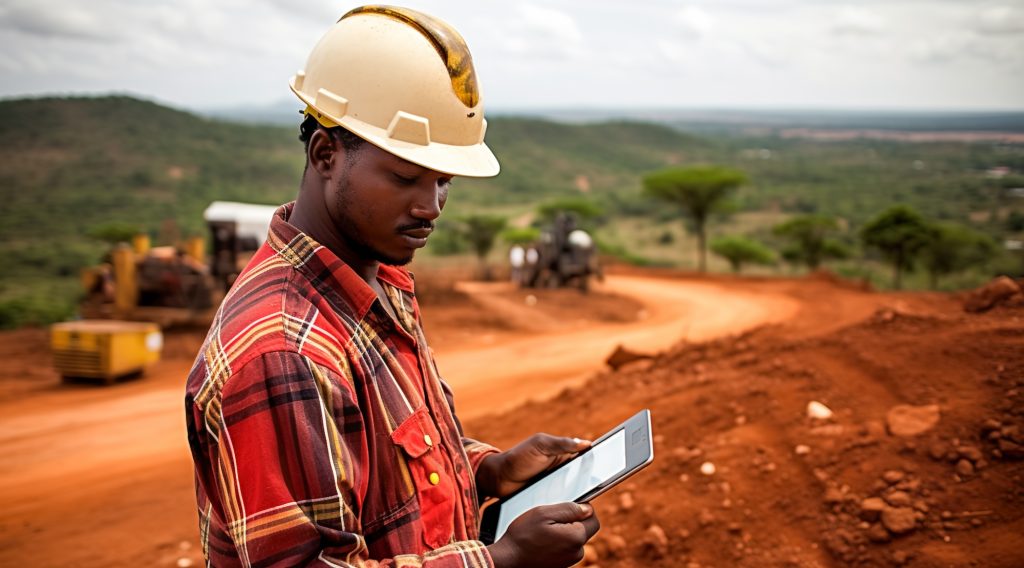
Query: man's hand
[[551, 536], [501, 474]]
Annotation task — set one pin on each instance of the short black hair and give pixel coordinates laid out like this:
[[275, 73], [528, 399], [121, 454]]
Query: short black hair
[[309, 125]]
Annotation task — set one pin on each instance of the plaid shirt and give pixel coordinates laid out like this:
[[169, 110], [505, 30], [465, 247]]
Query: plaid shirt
[[320, 430]]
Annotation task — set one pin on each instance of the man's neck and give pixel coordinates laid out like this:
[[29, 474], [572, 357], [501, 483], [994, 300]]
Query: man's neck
[[315, 222]]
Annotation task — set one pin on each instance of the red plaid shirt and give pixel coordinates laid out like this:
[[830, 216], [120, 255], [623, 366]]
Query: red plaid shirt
[[321, 432]]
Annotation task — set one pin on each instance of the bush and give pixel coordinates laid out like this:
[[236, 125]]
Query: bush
[[741, 250]]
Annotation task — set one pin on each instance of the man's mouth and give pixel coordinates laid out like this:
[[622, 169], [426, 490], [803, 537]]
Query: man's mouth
[[419, 233]]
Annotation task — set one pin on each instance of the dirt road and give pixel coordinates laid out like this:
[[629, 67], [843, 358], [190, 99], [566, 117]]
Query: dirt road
[[101, 476], [538, 366]]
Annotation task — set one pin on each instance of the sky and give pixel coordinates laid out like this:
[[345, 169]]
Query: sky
[[570, 54]]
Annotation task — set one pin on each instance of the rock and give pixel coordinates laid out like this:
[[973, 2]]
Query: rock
[[658, 534], [970, 452], [833, 495], [907, 421], [184, 562], [818, 411], [707, 468], [990, 295], [937, 450], [898, 520], [622, 356], [802, 450], [874, 429], [898, 499], [964, 468], [1010, 449], [893, 476], [654, 543], [1011, 432], [626, 501], [590, 555], [871, 509], [614, 545], [877, 533], [706, 517], [900, 557], [990, 425]]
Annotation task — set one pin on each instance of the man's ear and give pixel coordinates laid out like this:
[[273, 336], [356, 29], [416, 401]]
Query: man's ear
[[322, 152]]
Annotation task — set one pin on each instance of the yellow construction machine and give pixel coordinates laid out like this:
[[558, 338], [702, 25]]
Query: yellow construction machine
[[172, 285], [104, 349]]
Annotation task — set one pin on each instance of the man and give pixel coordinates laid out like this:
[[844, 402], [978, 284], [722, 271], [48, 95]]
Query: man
[[320, 430]]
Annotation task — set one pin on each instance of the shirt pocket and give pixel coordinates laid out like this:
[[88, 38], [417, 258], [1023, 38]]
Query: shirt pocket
[[432, 480]]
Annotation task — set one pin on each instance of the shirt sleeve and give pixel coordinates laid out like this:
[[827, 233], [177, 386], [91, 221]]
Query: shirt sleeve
[[282, 459]]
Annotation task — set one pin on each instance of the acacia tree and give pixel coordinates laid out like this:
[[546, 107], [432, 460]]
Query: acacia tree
[[698, 192], [953, 247], [899, 233], [481, 231], [741, 250], [809, 239]]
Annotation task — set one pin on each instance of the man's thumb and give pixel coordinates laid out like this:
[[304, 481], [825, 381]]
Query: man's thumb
[[566, 513]]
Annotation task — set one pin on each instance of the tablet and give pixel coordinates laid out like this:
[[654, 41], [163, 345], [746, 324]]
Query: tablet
[[620, 453]]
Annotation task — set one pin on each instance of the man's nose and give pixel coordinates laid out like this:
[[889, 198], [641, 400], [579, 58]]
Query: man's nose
[[428, 203]]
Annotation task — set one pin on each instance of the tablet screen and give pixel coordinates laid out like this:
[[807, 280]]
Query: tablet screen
[[570, 482]]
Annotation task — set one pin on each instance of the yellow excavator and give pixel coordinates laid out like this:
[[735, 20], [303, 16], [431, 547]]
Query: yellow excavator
[[140, 289], [172, 285]]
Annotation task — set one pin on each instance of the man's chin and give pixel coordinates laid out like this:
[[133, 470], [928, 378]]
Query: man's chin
[[396, 261]]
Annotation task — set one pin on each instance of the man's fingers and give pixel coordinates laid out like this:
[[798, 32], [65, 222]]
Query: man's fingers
[[566, 513], [591, 524], [556, 445]]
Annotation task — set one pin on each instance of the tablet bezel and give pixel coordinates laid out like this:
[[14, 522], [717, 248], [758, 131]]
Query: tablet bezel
[[639, 453]]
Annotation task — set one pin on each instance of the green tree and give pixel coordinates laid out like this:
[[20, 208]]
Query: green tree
[[480, 231], [740, 250], [114, 232], [809, 242], [584, 210], [520, 235], [899, 233], [698, 192], [952, 247]]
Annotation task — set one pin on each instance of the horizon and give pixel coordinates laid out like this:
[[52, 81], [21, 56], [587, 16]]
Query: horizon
[[283, 102]]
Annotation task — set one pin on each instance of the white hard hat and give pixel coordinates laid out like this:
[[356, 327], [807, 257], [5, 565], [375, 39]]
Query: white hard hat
[[404, 81], [580, 239]]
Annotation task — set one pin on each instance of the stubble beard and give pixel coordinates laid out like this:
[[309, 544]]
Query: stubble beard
[[346, 227]]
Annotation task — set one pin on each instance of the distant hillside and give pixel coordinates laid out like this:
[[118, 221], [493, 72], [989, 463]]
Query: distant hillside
[[70, 165]]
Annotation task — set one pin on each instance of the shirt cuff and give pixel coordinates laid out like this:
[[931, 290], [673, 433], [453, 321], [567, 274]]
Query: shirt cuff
[[476, 452], [464, 554]]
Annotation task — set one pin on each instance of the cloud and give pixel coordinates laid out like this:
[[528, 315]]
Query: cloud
[[44, 20], [551, 23], [694, 22], [857, 22], [1001, 20], [542, 33]]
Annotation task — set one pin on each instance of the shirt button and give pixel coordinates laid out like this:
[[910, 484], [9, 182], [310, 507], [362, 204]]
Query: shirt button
[[435, 478], [428, 441]]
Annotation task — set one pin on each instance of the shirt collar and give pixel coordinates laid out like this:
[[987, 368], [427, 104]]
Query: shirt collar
[[324, 270]]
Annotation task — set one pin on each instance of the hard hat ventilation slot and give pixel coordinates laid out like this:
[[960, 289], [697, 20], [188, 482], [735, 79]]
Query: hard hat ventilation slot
[[331, 104], [409, 128]]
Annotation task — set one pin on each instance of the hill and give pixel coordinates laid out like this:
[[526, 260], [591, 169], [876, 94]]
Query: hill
[[71, 165]]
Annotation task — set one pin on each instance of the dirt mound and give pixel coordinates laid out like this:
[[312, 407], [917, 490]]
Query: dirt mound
[[1000, 291], [743, 477]]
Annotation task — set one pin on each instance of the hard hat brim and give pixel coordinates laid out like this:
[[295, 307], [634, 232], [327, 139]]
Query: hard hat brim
[[475, 160]]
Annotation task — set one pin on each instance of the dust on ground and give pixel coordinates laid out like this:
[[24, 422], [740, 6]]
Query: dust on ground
[[100, 476]]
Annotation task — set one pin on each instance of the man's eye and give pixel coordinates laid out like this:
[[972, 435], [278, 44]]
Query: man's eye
[[405, 180]]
